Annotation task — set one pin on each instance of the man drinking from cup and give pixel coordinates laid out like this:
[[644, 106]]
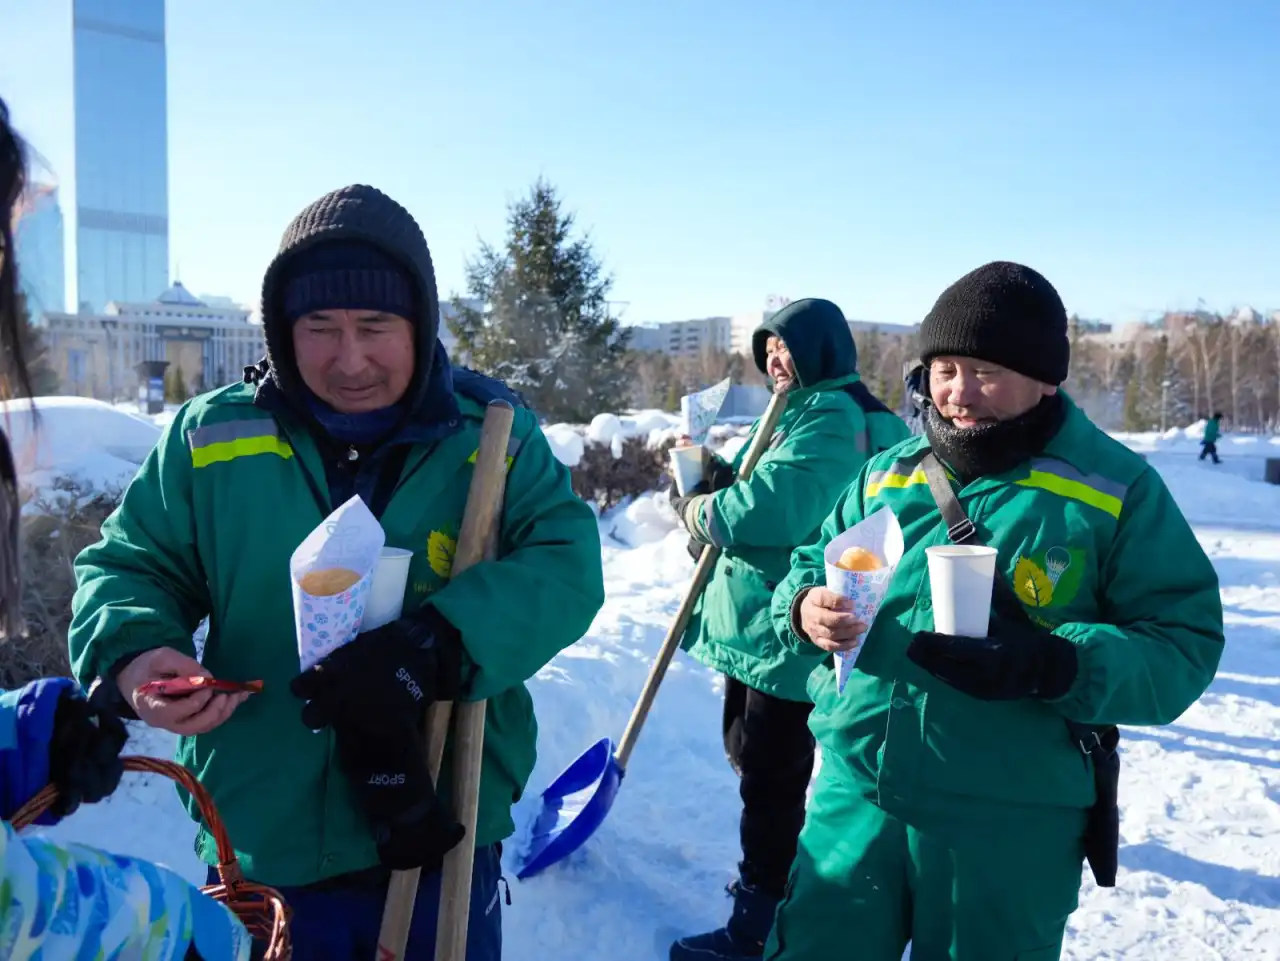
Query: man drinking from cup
[[966, 776]]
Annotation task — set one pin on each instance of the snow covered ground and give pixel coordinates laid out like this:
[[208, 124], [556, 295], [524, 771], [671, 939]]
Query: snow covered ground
[[1200, 876]]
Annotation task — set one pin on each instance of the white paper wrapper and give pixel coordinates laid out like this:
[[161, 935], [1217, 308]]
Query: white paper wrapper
[[700, 410], [349, 538], [881, 535]]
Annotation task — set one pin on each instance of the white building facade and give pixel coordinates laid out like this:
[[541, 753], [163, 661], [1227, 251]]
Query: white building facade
[[96, 355]]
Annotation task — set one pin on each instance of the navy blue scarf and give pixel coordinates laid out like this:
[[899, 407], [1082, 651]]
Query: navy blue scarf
[[368, 427]]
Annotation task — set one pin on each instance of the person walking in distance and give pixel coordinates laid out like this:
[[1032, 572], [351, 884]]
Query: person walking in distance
[[1212, 431]]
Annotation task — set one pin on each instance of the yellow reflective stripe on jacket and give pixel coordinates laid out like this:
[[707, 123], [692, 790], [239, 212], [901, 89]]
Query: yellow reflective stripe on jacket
[[1059, 477], [217, 443], [513, 448], [901, 473]]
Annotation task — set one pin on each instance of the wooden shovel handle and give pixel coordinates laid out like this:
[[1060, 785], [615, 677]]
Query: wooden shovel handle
[[476, 540], [701, 575]]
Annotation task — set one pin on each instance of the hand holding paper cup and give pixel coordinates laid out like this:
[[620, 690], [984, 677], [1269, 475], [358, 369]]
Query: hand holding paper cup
[[961, 577], [687, 466], [331, 572], [860, 565]]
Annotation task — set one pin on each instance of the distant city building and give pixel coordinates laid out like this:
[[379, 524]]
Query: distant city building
[[41, 250], [121, 151], [733, 334], [97, 355]]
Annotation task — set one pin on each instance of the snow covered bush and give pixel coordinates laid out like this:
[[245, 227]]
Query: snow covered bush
[[609, 472], [56, 525]]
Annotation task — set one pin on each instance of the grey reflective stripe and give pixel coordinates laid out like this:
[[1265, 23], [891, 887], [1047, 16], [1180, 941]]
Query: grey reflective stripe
[[899, 471], [862, 443], [231, 430], [1060, 468], [711, 521]]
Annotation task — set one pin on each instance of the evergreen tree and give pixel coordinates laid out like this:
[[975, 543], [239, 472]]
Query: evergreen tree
[[544, 325], [175, 387]]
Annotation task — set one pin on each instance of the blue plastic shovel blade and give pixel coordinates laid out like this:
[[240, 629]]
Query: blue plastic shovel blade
[[573, 806]]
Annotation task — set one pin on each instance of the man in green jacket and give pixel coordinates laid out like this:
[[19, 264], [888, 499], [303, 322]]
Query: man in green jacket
[[321, 778], [831, 425], [952, 804]]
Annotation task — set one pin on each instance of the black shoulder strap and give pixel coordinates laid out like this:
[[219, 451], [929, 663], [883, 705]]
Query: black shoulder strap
[[961, 530]]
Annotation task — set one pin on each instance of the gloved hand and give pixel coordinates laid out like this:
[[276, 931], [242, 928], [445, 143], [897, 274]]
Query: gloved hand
[[1014, 661], [60, 738], [388, 676], [387, 769], [718, 474], [84, 753]]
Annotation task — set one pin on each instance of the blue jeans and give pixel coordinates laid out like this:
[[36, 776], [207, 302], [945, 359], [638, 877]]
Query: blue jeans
[[336, 923]]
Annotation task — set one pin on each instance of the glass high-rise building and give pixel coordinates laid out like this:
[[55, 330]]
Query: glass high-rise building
[[121, 144], [40, 251]]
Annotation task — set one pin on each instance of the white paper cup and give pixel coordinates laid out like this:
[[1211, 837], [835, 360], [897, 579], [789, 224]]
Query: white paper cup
[[386, 595], [686, 468], [960, 580]]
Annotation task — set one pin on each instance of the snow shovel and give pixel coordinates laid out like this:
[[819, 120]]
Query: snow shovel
[[477, 540], [576, 802]]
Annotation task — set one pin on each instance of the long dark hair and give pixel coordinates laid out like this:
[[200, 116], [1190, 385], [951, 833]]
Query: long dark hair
[[15, 380]]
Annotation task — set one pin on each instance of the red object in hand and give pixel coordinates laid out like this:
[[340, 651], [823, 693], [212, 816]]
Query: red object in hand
[[182, 686]]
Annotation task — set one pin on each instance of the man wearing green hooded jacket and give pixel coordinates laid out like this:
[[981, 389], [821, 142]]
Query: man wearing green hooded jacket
[[321, 778], [956, 802], [831, 425]]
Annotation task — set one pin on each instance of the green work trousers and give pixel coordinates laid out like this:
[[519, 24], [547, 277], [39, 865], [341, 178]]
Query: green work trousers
[[996, 886]]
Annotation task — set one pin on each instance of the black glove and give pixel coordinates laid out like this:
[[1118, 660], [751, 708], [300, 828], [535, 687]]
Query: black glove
[[385, 677], [1014, 662], [387, 769], [84, 753], [718, 474]]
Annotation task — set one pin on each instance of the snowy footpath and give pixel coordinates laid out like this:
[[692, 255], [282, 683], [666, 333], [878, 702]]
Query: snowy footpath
[[1200, 876]]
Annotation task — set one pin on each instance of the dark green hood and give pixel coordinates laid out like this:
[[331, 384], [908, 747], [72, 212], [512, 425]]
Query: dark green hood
[[818, 337]]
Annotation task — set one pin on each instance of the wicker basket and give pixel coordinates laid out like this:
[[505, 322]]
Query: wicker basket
[[262, 909]]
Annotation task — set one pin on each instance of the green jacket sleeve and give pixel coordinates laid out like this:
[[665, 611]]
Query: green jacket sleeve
[[793, 487], [808, 569], [1161, 592], [140, 586], [517, 612]]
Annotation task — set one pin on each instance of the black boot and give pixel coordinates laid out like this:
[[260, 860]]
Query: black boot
[[742, 938]]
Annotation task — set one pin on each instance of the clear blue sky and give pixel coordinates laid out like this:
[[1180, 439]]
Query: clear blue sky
[[869, 152]]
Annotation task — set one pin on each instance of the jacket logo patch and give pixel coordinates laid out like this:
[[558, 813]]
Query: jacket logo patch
[[1048, 579], [440, 550]]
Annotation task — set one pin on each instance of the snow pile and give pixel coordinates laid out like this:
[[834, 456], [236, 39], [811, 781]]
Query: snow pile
[[86, 440], [655, 426]]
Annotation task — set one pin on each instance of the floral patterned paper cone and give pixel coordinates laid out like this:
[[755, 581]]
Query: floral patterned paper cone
[[701, 409], [331, 572], [880, 534]]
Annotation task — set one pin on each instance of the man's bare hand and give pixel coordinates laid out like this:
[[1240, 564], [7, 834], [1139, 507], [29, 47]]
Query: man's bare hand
[[196, 713], [827, 620]]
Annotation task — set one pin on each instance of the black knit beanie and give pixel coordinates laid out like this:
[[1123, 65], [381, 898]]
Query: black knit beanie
[[346, 275], [1003, 313]]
